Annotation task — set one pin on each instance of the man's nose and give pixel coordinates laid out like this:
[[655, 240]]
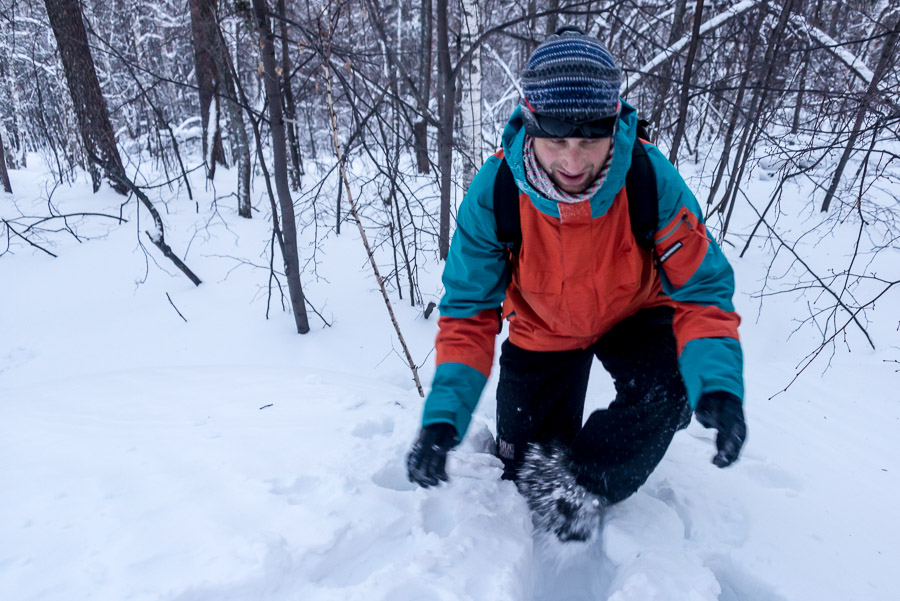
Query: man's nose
[[572, 160]]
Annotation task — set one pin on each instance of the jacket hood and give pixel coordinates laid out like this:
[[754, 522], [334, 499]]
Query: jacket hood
[[513, 143]]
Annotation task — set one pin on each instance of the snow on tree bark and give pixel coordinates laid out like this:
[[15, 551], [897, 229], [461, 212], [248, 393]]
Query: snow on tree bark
[[4, 174], [204, 38], [97, 135]]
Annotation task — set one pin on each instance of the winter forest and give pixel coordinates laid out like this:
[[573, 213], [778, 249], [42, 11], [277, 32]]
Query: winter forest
[[187, 185]]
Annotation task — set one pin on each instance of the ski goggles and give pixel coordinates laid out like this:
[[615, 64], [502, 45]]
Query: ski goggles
[[553, 127]]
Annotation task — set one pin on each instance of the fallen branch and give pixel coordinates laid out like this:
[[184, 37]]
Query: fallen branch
[[159, 237], [176, 308], [9, 228]]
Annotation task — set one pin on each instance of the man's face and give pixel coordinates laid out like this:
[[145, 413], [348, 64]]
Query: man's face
[[572, 163]]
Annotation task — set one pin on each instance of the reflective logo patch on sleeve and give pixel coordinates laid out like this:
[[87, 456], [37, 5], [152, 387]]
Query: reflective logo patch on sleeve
[[671, 251]]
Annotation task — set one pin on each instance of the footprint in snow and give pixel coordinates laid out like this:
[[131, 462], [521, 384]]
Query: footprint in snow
[[296, 491], [772, 476], [18, 356], [374, 427], [738, 583]]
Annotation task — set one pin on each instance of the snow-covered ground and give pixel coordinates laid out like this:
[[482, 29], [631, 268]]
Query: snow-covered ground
[[143, 457]]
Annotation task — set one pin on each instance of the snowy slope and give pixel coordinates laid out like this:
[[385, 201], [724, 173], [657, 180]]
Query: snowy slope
[[147, 458]]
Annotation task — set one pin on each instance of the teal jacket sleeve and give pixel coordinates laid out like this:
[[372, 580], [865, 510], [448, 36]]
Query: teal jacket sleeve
[[698, 277], [474, 287]]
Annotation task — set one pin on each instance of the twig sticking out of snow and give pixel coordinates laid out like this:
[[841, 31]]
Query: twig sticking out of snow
[[362, 230], [176, 308]]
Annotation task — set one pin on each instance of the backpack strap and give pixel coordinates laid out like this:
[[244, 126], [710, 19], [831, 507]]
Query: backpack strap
[[642, 129], [506, 209], [643, 203]]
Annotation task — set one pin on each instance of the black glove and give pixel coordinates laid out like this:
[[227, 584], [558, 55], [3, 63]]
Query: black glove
[[547, 480], [428, 458], [724, 412]]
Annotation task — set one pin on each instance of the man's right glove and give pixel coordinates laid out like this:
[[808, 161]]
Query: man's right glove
[[426, 463], [724, 412]]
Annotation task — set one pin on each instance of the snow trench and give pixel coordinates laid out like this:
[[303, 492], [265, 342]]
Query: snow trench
[[233, 489]]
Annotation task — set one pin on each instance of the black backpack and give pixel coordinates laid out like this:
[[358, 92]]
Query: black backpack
[[640, 184]]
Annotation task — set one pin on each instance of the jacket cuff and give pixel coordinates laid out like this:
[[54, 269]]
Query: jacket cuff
[[455, 392], [712, 364]]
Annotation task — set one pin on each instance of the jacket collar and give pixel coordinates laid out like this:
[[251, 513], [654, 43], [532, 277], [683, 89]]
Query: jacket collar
[[514, 140]]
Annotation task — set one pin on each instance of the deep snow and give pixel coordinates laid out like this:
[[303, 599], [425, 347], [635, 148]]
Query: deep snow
[[147, 458]]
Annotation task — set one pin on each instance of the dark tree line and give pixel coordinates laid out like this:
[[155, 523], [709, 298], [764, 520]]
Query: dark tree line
[[803, 89]]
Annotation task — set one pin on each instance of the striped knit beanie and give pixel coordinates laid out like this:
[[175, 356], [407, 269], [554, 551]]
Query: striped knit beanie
[[571, 77]]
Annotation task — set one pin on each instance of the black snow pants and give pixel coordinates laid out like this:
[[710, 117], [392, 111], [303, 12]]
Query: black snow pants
[[540, 399]]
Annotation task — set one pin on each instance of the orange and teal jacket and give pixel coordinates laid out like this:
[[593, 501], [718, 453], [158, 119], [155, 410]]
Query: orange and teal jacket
[[579, 272]]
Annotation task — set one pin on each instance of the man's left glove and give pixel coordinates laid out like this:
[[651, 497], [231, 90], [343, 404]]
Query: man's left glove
[[724, 412], [426, 463]]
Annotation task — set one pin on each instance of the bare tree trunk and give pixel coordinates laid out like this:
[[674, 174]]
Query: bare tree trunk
[[737, 111], [804, 68], [17, 137], [420, 128], [90, 107], [279, 156], [529, 43], [884, 62], [237, 130], [445, 133], [240, 147], [755, 116], [226, 97], [666, 77], [4, 174], [470, 122], [686, 83], [289, 105], [205, 43], [798, 108], [553, 17]]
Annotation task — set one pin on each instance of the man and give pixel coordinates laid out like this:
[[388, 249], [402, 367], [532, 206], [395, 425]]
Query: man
[[579, 285]]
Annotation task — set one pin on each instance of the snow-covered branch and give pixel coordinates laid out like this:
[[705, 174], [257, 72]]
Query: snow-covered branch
[[857, 66], [667, 53]]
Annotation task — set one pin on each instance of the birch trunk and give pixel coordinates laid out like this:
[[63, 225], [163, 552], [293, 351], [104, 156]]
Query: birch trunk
[[470, 126], [4, 174], [237, 128], [362, 231], [18, 144], [241, 152], [240, 147]]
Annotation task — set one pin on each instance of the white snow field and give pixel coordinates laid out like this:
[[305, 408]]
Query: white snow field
[[143, 457]]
